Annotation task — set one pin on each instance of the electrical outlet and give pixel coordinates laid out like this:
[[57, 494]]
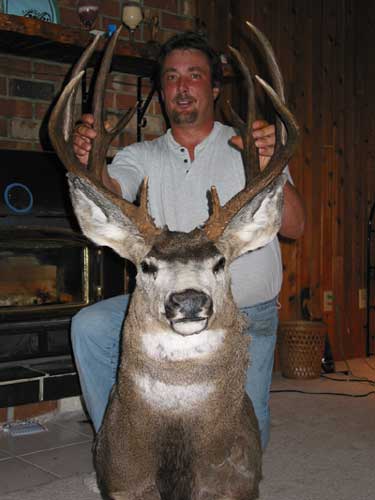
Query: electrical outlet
[[362, 298], [328, 300]]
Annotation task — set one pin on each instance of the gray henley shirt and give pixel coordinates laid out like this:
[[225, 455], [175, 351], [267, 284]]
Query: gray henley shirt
[[178, 198]]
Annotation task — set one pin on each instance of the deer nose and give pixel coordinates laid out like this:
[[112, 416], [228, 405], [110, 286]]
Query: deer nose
[[189, 304]]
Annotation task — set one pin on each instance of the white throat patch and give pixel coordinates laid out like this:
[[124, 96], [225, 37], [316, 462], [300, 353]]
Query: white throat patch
[[168, 345], [171, 397]]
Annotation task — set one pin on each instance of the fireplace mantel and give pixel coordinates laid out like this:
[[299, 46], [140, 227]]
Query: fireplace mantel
[[53, 42], [28, 37]]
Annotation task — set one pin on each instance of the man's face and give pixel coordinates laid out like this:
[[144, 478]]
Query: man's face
[[187, 89]]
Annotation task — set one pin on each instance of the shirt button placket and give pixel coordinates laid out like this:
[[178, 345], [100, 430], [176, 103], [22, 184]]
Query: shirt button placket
[[186, 161]]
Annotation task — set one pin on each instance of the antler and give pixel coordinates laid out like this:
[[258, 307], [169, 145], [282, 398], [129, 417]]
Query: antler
[[256, 180], [61, 133]]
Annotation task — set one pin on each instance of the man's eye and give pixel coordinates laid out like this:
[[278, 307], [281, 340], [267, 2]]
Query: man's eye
[[196, 76]]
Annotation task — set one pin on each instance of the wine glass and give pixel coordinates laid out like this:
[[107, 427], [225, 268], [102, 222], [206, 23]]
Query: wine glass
[[87, 11], [132, 15]]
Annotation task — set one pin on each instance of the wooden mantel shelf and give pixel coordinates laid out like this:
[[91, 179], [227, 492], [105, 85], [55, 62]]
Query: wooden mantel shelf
[[27, 37]]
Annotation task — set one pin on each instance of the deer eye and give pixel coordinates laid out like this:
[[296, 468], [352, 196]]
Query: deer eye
[[219, 266], [148, 268]]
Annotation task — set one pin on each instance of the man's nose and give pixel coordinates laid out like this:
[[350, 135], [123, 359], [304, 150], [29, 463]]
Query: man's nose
[[182, 84]]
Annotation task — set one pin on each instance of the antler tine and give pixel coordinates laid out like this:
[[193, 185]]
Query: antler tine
[[249, 153], [62, 116], [61, 120], [277, 80], [220, 216], [283, 152], [77, 68], [104, 137]]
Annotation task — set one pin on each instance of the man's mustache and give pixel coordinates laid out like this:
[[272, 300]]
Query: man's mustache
[[183, 97]]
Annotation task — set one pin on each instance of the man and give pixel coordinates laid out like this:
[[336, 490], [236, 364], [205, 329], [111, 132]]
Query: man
[[194, 154]]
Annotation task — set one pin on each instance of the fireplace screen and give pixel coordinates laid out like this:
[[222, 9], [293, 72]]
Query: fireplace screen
[[38, 273]]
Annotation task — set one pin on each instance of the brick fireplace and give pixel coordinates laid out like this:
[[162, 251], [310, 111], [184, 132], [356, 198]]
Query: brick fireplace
[[48, 272]]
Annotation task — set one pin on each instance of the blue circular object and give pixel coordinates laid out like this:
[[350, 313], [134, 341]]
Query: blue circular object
[[111, 28], [18, 198]]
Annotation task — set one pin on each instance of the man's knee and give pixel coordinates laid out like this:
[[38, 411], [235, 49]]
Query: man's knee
[[100, 324], [101, 316], [89, 322]]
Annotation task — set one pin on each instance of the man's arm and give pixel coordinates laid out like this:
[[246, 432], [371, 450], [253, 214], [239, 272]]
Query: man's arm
[[83, 136], [294, 213]]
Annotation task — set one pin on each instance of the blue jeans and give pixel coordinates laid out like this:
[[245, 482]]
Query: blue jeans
[[263, 322], [96, 332]]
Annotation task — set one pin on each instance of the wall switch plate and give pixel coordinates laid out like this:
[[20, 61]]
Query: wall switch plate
[[328, 300], [362, 298]]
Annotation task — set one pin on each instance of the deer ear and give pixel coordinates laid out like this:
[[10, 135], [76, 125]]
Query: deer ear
[[103, 222], [256, 224]]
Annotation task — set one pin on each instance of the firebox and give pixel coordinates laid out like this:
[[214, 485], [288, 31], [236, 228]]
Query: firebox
[[48, 272]]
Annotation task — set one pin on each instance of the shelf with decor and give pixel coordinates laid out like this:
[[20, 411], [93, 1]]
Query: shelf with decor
[[28, 37]]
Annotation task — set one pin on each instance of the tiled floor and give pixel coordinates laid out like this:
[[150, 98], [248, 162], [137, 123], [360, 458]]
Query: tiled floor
[[63, 450]]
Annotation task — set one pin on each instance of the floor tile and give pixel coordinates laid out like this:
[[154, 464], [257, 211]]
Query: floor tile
[[18, 475], [4, 455], [64, 462], [56, 436], [81, 426]]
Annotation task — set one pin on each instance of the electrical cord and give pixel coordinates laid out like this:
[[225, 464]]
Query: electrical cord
[[357, 379], [369, 365], [318, 393], [348, 395], [349, 372]]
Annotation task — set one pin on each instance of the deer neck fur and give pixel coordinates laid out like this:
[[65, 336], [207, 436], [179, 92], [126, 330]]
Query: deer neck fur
[[192, 370]]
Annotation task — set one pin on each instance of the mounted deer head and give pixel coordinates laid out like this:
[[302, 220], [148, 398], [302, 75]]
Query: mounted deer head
[[179, 419]]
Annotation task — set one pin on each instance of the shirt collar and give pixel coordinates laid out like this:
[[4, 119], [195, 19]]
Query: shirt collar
[[208, 140]]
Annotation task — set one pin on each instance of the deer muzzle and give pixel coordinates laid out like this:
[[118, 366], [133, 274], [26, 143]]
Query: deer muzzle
[[188, 311]]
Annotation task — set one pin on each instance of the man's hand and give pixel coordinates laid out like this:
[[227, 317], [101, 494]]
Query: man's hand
[[82, 143], [83, 137], [265, 139]]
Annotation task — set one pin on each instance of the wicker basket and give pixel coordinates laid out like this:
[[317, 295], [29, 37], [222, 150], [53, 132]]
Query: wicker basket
[[301, 348]]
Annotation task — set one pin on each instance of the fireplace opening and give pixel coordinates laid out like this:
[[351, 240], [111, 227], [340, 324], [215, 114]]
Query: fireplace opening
[[42, 273]]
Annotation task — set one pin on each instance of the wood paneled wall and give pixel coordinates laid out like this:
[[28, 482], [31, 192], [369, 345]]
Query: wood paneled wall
[[324, 48]]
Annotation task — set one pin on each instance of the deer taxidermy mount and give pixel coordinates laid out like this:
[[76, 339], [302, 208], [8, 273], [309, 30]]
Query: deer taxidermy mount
[[179, 424]]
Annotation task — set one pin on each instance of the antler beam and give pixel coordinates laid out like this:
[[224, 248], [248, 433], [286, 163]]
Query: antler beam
[[256, 180], [61, 125]]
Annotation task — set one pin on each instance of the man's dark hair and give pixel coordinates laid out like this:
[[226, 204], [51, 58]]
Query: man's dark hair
[[190, 40]]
